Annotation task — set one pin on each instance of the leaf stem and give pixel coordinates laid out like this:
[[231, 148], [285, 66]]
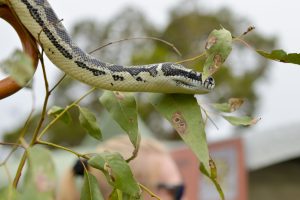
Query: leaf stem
[[63, 112], [192, 59], [149, 191], [63, 148], [138, 38], [19, 170], [60, 80]]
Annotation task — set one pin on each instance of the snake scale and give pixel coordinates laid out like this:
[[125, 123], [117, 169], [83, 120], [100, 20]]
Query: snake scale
[[41, 21]]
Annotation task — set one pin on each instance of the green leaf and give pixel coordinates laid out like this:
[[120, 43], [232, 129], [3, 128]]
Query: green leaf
[[123, 109], [56, 110], [218, 48], [281, 56], [90, 189], [119, 195], [245, 120], [88, 121], [9, 193], [184, 113], [222, 107], [40, 181], [19, 66], [115, 195], [232, 105], [213, 178], [117, 172]]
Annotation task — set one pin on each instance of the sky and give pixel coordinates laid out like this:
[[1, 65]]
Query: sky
[[279, 96]]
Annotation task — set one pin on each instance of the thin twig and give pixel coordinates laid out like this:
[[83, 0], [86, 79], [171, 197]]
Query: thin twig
[[40, 123], [7, 172], [191, 59], [138, 38], [243, 42], [19, 170], [58, 82], [149, 191], [12, 144], [249, 29], [208, 117], [63, 112], [9, 155], [63, 148], [239, 38], [44, 109], [25, 127]]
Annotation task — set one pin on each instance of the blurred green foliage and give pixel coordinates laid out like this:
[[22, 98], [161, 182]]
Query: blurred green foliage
[[188, 30]]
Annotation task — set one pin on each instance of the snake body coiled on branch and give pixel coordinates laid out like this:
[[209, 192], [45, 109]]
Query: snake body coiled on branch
[[41, 21]]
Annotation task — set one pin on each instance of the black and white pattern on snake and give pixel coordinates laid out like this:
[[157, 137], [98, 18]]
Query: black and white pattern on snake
[[40, 19]]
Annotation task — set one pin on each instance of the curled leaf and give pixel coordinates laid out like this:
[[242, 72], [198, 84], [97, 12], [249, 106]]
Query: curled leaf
[[19, 66], [245, 120], [88, 121]]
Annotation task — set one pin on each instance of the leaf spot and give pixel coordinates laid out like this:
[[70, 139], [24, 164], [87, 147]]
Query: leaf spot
[[210, 42], [119, 95], [179, 123]]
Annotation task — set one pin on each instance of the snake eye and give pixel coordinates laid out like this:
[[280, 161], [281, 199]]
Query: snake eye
[[209, 83], [210, 80]]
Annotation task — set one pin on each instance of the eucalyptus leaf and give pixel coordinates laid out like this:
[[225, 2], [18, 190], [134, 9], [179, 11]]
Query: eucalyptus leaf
[[40, 178], [19, 66], [90, 189], [232, 105], [88, 121], [218, 48], [281, 56], [119, 195], [244, 120], [56, 110], [117, 172], [123, 109], [184, 113]]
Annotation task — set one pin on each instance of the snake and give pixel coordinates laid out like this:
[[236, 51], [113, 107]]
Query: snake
[[41, 21]]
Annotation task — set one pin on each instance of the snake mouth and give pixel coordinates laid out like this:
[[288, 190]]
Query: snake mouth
[[207, 85]]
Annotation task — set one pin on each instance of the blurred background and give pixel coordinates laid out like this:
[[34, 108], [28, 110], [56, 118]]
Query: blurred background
[[264, 156]]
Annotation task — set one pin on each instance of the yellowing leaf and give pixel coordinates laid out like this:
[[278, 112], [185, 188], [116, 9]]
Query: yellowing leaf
[[19, 66], [245, 120], [88, 121], [90, 189]]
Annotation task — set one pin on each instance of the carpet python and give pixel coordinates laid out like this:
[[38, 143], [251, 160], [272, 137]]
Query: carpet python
[[41, 21]]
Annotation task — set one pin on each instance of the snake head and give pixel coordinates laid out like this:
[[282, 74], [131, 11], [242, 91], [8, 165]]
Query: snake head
[[187, 80]]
